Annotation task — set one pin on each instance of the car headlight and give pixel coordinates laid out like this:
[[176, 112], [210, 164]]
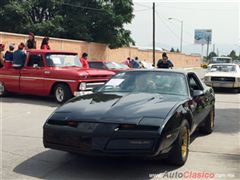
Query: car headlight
[[83, 86], [151, 121]]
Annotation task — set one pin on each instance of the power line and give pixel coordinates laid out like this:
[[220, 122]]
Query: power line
[[169, 28], [142, 5], [186, 8]]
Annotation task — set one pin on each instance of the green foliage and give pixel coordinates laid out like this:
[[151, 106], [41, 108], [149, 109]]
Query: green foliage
[[90, 20], [172, 50], [211, 55], [233, 55]]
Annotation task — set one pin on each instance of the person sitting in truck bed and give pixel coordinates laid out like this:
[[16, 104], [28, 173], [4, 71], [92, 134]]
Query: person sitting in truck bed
[[19, 56], [1, 55]]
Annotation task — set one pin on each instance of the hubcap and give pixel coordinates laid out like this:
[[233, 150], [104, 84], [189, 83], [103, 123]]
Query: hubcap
[[184, 146], [59, 94]]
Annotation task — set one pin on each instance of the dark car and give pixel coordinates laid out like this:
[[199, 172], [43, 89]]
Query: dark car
[[146, 113], [108, 65]]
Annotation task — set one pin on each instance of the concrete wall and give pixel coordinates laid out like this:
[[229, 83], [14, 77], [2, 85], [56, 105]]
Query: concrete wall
[[99, 51]]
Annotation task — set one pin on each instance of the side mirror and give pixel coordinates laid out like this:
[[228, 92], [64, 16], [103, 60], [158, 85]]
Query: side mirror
[[197, 93]]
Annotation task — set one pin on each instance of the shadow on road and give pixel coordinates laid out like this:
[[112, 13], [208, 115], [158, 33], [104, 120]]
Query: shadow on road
[[28, 99], [83, 167]]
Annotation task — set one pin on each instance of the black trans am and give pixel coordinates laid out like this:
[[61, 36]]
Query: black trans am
[[146, 113]]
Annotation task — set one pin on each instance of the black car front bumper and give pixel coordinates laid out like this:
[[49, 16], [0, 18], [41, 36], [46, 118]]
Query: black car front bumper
[[103, 139]]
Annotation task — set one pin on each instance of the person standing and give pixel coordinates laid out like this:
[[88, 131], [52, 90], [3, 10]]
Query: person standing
[[135, 63], [45, 44], [9, 54], [31, 43], [164, 62], [19, 56], [2, 46], [128, 62], [84, 61]]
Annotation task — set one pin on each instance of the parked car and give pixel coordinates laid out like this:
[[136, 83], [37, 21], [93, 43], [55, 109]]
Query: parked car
[[237, 62], [146, 113], [108, 65], [223, 75], [147, 65], [51, 73]]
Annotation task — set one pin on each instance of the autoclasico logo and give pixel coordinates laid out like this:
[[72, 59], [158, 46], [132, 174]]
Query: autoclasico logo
[[191, 175]]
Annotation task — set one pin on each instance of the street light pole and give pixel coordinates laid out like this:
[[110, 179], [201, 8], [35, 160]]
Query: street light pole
[[153, 34], [181, 38]]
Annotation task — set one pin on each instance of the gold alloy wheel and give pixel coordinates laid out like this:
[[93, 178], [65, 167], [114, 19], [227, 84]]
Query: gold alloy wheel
[[184, 146], [212, 119]]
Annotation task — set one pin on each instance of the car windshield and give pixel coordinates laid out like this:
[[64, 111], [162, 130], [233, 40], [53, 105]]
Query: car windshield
[[62, 60], [221, 60], [123, 66], [148, 82], [223, 68], [112, 65]]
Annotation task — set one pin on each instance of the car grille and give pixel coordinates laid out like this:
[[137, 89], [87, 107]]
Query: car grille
[[229, 79], [91, 85], [99, 77]]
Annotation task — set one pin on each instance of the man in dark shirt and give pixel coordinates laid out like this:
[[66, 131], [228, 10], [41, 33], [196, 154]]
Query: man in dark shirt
[[164, 62]]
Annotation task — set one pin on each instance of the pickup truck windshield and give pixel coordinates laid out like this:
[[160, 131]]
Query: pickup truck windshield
[[62, 60]]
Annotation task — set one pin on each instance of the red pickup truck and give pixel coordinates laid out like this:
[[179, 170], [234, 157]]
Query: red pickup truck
[[51, 73]]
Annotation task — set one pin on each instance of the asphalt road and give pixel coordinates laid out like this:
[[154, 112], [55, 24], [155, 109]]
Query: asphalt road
[[24, 157]]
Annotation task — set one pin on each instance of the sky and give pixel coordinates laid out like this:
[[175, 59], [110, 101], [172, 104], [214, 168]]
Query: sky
[[223, 17]]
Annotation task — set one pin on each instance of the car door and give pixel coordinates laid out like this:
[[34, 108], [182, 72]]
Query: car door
[[199, 101], [32, 76], [10, 78]]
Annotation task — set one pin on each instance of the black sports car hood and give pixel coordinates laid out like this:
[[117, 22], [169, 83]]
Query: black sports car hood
[[117, 108]]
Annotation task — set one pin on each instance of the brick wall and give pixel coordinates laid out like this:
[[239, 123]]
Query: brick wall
[[99, 51]]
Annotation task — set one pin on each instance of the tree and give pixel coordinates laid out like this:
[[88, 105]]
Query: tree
[[177, 51], [233, 54], [90, 20], [172, 50], [211, 54]]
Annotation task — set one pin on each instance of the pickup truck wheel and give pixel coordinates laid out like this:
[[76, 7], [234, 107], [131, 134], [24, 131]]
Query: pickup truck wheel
[[62, 93], [179, 152], [208, 126]]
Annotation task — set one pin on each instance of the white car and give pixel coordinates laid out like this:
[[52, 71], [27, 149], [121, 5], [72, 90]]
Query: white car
[[223, 75]]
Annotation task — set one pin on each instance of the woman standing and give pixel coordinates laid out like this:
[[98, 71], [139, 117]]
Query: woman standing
[[31, 43], [45, 45]]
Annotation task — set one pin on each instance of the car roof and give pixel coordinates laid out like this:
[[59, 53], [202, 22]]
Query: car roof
[[50, 51]]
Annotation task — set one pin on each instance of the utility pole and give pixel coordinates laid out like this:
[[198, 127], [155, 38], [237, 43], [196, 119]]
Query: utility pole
[[181, 36], [153, 34], [208, 45]]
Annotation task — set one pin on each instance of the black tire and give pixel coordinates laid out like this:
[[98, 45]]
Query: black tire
[[62, 93], [208, 125], [179, 152]]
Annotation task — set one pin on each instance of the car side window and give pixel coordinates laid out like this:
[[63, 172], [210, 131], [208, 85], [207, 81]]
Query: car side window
[[35, 59], [194, 83]]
